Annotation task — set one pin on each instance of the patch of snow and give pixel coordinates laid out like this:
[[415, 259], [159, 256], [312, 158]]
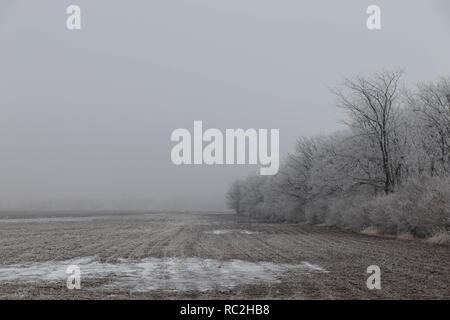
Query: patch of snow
[[168, 274], [230, 231], [48, 219]]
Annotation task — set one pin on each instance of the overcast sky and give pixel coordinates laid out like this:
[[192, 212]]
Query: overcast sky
[[86, 116]]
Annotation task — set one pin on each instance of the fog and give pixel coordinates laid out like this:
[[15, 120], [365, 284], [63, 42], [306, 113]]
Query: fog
[[86, 116]]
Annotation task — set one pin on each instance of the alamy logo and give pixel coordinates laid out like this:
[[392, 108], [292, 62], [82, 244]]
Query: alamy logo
[[374, 280], [73, 22], [241, 146], [74, 278], [374, 19]]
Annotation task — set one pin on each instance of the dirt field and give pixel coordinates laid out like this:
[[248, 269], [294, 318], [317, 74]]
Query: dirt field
[[204, 256]]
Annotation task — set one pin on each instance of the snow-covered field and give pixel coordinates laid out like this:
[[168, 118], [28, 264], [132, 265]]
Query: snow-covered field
[[149, 274], [200, 255]]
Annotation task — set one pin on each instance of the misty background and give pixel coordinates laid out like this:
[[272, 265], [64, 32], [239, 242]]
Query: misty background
[[86, 116]]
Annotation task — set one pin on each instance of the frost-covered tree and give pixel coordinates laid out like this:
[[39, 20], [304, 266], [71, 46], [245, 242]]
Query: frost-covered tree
[[252, 195], [430, 106], [389, 169], [372, 104], [234, 196]]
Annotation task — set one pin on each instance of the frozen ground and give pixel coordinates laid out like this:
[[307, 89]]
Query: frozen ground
[[200, 255], [150, 274], [228, 231]]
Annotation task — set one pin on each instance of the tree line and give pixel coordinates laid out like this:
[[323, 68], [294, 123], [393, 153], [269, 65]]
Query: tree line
[[389, 169]]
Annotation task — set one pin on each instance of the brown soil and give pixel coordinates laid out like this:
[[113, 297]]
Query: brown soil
[[409, 269]]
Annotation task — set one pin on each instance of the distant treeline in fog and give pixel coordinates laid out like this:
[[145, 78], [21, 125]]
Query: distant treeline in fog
[[388, 172]]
